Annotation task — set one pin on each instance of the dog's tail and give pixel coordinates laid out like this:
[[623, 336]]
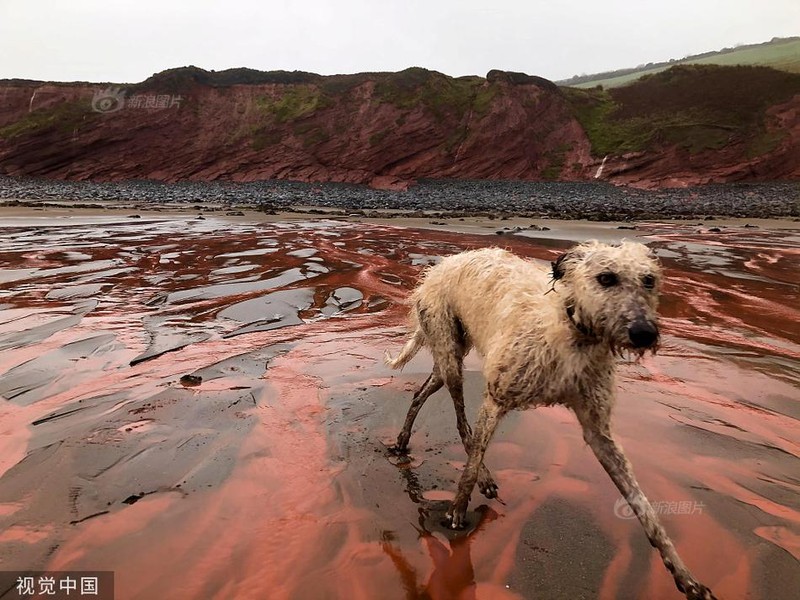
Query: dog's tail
[[408, 352]]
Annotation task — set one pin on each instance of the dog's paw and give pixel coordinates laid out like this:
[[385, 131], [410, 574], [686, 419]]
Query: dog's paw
[[397, 450], [488, 488], [455, 518], [700, 592], [695, 590], [454, 522], [486, 483]]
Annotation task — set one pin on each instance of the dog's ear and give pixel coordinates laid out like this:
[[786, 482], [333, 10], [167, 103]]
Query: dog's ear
[[573, 255], [559, 266]]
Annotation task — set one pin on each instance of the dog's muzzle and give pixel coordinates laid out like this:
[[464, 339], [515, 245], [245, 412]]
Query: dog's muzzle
[[643, 333]]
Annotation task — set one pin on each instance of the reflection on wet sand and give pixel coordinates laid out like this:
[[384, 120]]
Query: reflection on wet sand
[[201, 407]]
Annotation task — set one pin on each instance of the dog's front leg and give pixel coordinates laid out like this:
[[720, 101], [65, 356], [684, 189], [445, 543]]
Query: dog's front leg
[[597, 433], [488, 417]]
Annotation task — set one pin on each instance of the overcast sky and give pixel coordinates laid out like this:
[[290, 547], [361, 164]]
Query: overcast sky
[[126, 42]]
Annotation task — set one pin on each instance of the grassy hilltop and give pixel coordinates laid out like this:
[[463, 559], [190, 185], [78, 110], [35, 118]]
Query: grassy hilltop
[[779, 53]]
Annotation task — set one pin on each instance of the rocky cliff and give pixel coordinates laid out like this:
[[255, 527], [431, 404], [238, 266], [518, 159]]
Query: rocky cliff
[[387, 129]]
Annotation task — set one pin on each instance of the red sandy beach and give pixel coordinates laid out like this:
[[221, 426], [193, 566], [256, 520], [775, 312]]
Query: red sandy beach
[[265, 474]]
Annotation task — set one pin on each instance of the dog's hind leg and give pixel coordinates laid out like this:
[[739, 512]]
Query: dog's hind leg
[[450, 359], [431, 385], [455, 385]]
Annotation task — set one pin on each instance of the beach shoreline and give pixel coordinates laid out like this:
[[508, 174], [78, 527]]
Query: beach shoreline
[[34, 212]]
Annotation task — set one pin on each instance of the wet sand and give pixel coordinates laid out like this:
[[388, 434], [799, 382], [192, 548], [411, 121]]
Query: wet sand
[[201, 406]]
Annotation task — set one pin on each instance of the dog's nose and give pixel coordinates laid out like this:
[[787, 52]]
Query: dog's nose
[[643, 333]]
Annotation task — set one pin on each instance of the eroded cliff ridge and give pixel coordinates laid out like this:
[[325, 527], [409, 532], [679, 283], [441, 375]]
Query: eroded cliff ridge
[[685, 126]]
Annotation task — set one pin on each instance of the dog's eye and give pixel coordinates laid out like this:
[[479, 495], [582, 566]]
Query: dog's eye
[[649, 281], [607, 279]]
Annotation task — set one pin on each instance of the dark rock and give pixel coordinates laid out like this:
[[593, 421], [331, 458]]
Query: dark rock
[[191, 380]]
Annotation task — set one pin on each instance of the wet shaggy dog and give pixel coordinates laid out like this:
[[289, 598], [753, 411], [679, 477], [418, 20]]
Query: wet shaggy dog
[[546, 338]]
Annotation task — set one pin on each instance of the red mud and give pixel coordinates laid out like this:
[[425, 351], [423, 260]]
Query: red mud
[[268, 476]]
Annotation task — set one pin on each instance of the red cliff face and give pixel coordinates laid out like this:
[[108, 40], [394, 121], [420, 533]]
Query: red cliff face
[[358, 129], [384, 129]]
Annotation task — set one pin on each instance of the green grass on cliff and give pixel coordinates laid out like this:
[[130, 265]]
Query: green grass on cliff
[[64, 118], [294, 103], [443, 96], [697, 107], [402, 89]]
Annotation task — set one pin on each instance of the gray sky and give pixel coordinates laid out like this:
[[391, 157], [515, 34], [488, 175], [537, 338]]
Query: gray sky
[[126, 42]]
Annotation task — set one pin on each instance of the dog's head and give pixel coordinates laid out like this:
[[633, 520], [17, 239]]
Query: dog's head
[[610, 293]]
